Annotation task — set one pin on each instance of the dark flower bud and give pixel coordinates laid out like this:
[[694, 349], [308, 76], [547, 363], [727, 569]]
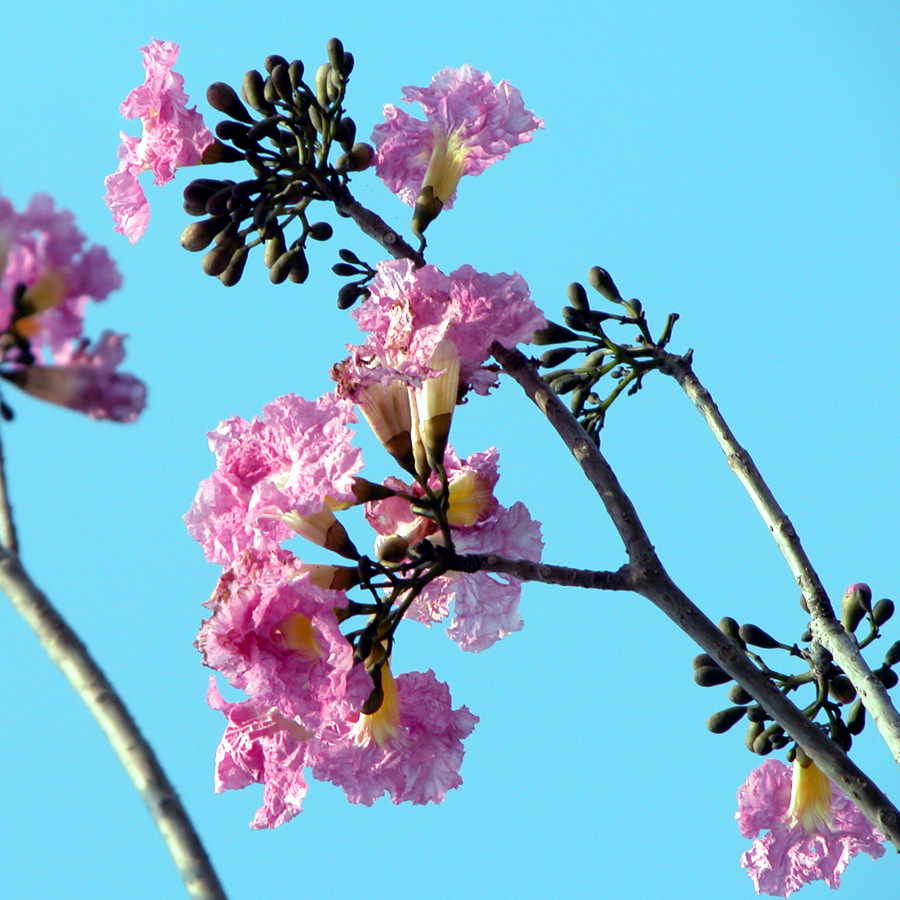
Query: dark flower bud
[[566, 382], [236, 132], [217, 205], [345, 132], [703, 659], [321, 82], [552, 358], [269, 91], [219, 258], [754, 730], [806, 637], [887, 676], [222, 97], [719, 722], [393, 549], [232, 274], [803, 604], [552, 334], [892, 657], [198, 235], [840, 735], [275, 247], [282, 82], [368, 491], [882, 611], [274, 60], [347, 64], [578, 296], [267, 127], [349, 294], [253, 91], [856, 718], [757, 637], [857, 601], [348, 256], [730, 628], [198, 192], [738, 695], [280, 269], [709, 676], [345, 270], [600, 280], [320, 231], [756, 713], [299, 270], [841, 689], [574, 319], [765, 743], [376, 698], [295, 72]]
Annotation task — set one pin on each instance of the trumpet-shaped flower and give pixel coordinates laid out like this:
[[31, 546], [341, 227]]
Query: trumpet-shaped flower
[[173, 136], [47, 278], [470, 123], [410, 311], [411, 747], [813, 829], [485, 607], [289, 463]]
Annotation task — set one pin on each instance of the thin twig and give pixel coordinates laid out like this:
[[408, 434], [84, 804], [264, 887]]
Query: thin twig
[[650, 580], [8, 539], [70, 655], [826, 628]]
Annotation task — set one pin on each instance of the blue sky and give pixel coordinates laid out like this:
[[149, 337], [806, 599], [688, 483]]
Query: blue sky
[[736, 163]]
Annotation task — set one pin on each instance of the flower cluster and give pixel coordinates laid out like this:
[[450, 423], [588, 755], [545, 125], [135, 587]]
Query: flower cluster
[[469, 124], [47, 277], [173, 136], [813, 829], [275, 628]]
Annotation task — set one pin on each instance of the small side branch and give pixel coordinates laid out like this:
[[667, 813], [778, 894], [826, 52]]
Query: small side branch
[[650, 580], [375, 227], [826, 629], [526, 570]]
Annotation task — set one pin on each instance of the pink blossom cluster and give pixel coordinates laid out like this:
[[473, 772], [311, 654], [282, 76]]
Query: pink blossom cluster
[[274, 632], [814, 830], [47, 278], [485, 608], [409, 311], [173, 136], [470, 123]]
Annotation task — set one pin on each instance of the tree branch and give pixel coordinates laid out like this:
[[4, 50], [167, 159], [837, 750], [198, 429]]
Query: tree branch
[[650, 580], [526, 570], [826, 628], [70, 655]]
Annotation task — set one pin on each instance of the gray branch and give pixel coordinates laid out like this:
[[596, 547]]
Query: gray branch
[[826, 628], [648, 578]]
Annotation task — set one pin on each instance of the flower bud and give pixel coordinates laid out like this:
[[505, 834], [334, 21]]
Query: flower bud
[[892, 657], [552, 358], [578, 296], [754, 730], [217, 260], [295, 71], [856, 602], [887, 676], [882, 611], [730, 628], [757, 637], [393, 549], [274, 60], [235, 268], [709, 676], [320, 231], [321, 82], [737, 694], [703, 659], [552, 334], [282, 82], [335, 51], [841, 689], [856, 718], [719, 722], [199, 235], [253, 91], [222, 97], [600, 280]]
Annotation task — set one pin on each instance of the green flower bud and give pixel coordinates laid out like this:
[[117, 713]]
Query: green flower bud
[[552, 334], [253, 90], [600, 280], [232, 274], [756, 713], [882, 611], [218, 259], [703, 659], [199, 235], [282, 82], [731, 629], [274, 60], [322, 83], [841, 689], [738, 695], [892, 657], [552, 358], [887, 676], [578, 296], [754, 730], [320, 231]]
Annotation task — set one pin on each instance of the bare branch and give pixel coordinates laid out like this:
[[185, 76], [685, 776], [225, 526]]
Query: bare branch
[[650, 580], [526, 570], [826, 628]]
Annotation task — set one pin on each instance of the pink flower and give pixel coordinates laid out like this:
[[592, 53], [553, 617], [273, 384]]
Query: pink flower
[[814, 830], [470, 124], [288, 463], [46, 281], [173, 136], [410, 311], [411, 747], [85, 379], [273, 634], [486, 607]]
